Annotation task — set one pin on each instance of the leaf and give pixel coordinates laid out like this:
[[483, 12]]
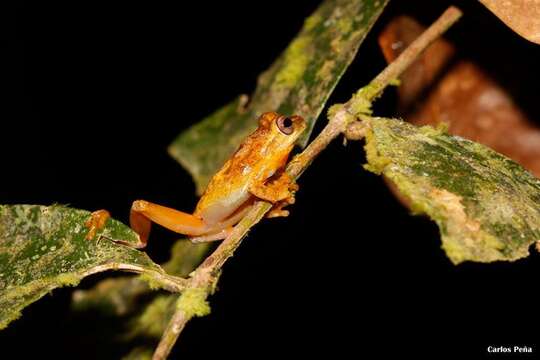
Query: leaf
[[43, 248], [465, 98], [153, 320], [396, 36], [139, 353], [521, 16], [487, 207], [119, 296], [298, 82]]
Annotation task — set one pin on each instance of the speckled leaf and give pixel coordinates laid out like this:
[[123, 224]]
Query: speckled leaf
[[299, 82], [120, 296], [42, 248], [487, 207]]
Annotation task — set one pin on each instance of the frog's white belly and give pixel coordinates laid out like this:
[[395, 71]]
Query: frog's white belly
[[222, 209]]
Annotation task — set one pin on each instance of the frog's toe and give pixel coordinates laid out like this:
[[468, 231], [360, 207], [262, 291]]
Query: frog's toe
[[277, 213], [293, 187]]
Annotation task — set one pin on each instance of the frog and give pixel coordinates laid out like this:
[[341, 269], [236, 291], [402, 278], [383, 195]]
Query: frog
[[254, 172]]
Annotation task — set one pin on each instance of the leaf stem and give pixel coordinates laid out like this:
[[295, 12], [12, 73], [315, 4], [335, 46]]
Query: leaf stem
[[340, 116]]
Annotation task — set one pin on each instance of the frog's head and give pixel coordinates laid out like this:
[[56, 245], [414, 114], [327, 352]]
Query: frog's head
[[283, 131]]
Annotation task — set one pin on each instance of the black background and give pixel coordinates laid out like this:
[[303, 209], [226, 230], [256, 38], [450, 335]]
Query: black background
[[93, 92]]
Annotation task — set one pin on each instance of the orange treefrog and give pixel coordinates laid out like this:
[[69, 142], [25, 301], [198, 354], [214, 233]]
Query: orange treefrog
[[254, 171]]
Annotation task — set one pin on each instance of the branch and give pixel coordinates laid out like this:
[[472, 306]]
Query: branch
[[174, 328], [393, 71], [204, 278]]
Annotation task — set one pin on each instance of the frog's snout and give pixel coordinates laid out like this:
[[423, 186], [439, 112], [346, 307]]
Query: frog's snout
[[299, 123]]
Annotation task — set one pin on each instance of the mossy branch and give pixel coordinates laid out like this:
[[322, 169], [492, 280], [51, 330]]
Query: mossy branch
[[204, 278]]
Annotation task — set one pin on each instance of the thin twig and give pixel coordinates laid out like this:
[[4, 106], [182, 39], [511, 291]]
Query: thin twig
[[393, 71], [206, 275]]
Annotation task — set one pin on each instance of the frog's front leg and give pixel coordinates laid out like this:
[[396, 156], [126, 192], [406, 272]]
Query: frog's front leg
[[279, 191]]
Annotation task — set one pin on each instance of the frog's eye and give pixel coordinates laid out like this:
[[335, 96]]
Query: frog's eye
[[285, 125]]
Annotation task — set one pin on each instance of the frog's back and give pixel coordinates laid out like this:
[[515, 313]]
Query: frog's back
[[229, 187]]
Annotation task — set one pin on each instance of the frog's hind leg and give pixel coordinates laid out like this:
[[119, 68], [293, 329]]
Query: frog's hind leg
[[143, 213], [225, 227], [219, 235]]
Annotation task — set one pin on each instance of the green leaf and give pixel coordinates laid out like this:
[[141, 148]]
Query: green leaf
[[153, 320], [487, 207], [119, 296], [298, 82], [42, 248], [139, 353]]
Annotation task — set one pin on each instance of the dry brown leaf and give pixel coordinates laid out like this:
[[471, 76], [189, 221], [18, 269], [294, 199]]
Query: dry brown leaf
[[522, 16], [476, 108], [473, 105], [397, 35]]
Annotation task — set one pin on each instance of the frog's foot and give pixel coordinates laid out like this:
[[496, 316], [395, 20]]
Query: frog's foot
[[278, 211], [280, 189], [219, 235], [96, 222], [223, 229]]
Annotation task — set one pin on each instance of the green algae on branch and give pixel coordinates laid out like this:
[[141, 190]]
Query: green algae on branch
[[298, 82], [43, 248], [487, 207]]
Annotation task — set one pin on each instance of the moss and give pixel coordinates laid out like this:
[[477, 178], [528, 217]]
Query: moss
[[139, 353], [295, 61], [43, 248], [361, 105], [326, 69], [345, 25], [6, 320], [484, 204], [376, 162], [151, 280], [193, 302], [334, 109], [430, 131], [153, 321], [68, 279], [312, 22], [395, 82], [18, 297]]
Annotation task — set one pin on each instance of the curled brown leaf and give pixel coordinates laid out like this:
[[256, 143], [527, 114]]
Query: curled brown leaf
[[522, 16]]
